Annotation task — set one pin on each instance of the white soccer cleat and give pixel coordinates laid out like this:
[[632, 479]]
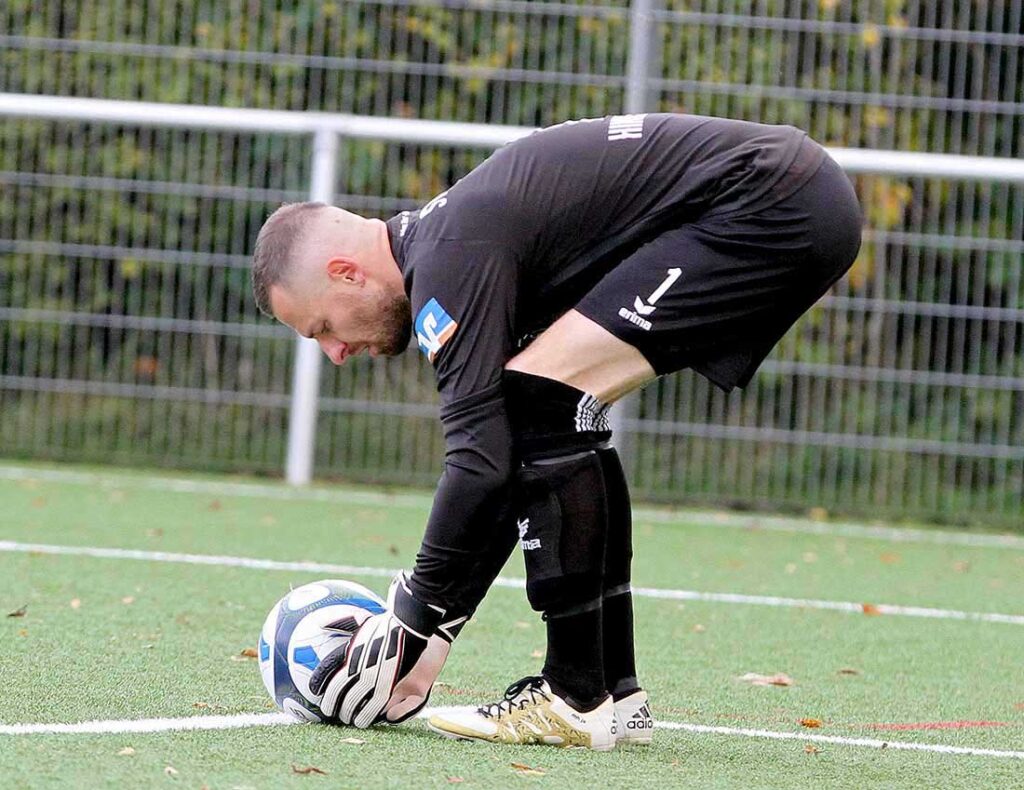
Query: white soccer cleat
[[532, 713], [636, 724]]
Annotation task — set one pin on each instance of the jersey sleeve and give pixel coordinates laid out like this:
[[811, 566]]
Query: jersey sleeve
[[464, 299]]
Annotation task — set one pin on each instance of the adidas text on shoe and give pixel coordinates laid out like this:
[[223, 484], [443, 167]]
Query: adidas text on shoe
[[636, 724]]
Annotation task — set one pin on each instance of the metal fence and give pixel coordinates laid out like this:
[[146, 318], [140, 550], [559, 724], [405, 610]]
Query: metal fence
[[127, 333]]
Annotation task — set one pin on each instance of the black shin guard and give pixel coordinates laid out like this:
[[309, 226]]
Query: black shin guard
[[564, 524], [617, 609]]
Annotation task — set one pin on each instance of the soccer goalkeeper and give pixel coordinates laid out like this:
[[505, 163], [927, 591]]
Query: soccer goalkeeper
[[570, 268]]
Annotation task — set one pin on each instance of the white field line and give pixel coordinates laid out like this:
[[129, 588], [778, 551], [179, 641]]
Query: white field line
[[871, 743], [123, 726], [118, 726], [354, 496], [849, 607]]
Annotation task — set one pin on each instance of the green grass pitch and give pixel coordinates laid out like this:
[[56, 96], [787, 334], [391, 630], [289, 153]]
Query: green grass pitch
[[131, 639]]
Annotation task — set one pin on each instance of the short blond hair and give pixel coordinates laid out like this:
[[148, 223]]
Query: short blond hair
[[275, 248]]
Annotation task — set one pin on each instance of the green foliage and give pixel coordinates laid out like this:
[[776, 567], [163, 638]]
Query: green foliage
[[171, 202]]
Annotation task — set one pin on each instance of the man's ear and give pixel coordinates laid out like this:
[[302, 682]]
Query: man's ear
[[346, 270]]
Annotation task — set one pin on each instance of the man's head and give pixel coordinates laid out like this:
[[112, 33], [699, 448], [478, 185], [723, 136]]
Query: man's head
[[330, 275]]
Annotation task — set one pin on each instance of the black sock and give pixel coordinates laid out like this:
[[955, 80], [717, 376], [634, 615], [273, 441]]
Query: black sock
[[617, 626], [574, 665], [619, 659]]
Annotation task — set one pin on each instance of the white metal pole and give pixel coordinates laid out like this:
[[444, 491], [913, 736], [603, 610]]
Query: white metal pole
[[306, 375], [643, 61], [644, 53], [65, 108]]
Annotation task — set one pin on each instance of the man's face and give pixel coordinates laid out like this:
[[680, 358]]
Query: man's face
[[346, 315]]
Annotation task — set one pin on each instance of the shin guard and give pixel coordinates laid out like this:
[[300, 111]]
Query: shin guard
[[563, 527], [562, 531]]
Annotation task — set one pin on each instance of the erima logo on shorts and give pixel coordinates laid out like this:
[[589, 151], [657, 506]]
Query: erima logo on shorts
[[434, 328], [633, 318], [642, 308]]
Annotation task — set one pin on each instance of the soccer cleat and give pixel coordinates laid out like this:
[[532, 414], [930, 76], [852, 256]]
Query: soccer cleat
[[636, 724], [532, 713]]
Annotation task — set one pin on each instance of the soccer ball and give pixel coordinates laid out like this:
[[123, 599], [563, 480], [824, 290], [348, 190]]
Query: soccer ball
[[294, 639]]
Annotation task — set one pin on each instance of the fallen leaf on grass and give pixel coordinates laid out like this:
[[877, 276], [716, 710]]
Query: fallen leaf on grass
[[812, 724], [810, 748], [170, 770], [1018, 706], [961, 566], [22, 632], [39, 502], [127, 751], [848, 671], [393, 550], [76, 603], [128, 599], [778, 679], [522, 624], [525, 770], [455, 780], [699, 629], [889, 557], [214, 506], [209, 706], [537, 654], [307, 770], [250, 652], [353, 741], [21, 611], [870, 609]]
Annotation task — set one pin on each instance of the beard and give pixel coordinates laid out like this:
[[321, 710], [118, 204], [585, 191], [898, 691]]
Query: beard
[[395, 313]]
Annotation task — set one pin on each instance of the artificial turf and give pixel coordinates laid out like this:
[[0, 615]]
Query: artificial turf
[[134, 639]]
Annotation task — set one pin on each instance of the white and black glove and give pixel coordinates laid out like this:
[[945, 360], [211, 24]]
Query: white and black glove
[[356, 681]]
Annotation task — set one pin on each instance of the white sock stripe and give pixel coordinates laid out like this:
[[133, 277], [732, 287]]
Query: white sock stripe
[[591, 414]]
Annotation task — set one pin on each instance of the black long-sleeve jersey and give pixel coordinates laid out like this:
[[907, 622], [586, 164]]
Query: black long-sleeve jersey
[[516, 243]]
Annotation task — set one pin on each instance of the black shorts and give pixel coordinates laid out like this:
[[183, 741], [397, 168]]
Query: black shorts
[[718, 293]]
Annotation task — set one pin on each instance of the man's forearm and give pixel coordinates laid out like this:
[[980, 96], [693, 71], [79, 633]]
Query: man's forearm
[[470, 532]]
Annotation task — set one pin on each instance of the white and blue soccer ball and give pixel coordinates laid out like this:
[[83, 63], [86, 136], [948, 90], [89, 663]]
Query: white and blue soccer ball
[[294, 639]]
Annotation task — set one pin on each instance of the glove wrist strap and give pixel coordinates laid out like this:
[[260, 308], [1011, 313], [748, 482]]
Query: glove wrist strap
[[416, 617]]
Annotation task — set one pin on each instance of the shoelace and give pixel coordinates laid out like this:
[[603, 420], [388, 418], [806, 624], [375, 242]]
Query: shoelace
[[533, 685]]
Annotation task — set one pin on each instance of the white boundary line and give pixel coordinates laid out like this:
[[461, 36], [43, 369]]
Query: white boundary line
[[120, 726], [871, 743], [123, 726], [354, 496], [848, 607]]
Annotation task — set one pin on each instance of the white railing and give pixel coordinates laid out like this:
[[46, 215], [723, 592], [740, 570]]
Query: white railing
[[326, 128]]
